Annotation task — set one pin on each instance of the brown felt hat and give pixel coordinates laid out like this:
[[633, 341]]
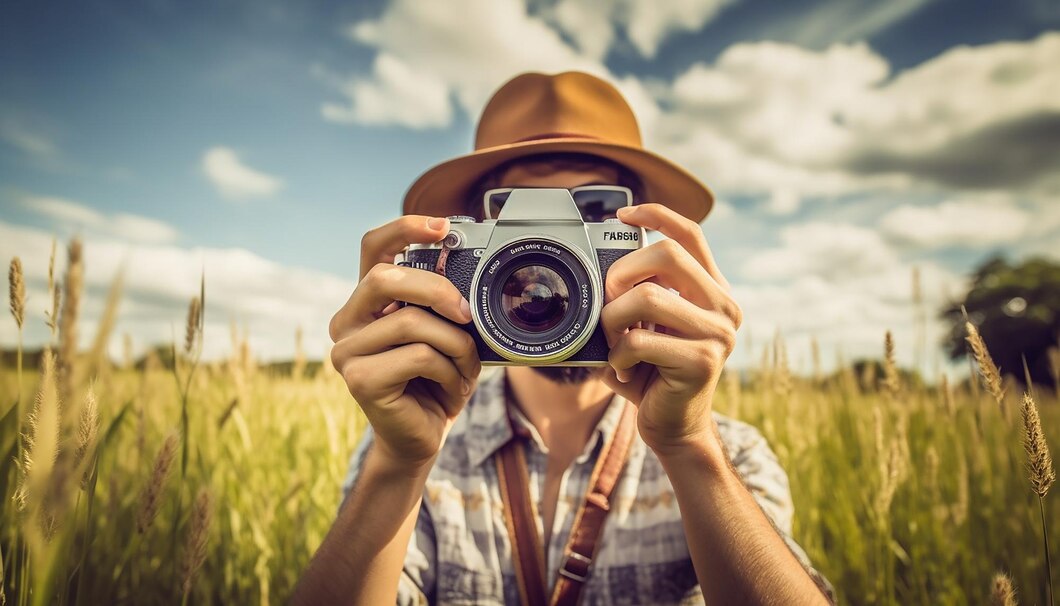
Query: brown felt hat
[[569, 112]]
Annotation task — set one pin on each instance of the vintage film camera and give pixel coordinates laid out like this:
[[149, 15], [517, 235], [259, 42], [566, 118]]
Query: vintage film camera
[[534, 275]]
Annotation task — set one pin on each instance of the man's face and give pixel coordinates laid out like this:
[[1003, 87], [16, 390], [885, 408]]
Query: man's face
[[538, 173]]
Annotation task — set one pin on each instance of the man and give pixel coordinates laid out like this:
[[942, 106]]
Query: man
[[700, 509]]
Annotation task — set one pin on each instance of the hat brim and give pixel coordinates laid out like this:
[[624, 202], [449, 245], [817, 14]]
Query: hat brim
[[443, 190]]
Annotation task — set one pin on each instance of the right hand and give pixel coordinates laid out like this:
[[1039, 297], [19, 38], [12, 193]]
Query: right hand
[[410, 371]]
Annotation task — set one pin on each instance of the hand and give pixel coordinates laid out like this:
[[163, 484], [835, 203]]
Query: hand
[[670, 373], [410, 371]]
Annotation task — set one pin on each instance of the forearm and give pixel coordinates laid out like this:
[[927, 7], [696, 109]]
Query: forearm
[[738, 556], [360, 559]]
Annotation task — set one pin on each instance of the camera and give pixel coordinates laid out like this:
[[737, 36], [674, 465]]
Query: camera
[[534, 277]]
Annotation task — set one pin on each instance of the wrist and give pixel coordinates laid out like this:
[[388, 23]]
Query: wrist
[[389, 462], [701, 449]]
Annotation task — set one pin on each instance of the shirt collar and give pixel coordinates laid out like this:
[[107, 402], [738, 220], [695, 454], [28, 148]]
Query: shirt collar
[[489, 427]]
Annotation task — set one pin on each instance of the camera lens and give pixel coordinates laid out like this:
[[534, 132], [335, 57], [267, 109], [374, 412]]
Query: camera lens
[[535, 298]]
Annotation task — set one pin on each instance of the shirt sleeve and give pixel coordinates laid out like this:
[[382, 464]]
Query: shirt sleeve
[[762, 474], [417, 582]]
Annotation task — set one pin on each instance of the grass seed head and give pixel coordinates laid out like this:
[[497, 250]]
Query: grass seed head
[[987, 369], [194, 325], [1039, 461], [151, 497], [195, 547], [1002, 593], [17, 291]]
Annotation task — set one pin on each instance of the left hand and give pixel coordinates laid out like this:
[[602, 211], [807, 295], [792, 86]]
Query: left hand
[[670, 373]]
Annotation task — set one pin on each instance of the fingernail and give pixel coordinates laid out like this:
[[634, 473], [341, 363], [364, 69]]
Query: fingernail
[[465, 308], [622, 376], [437, 223], [625, 210], [465, 386]]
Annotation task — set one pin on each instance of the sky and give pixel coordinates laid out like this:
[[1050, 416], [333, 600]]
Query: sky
[[255, 142]]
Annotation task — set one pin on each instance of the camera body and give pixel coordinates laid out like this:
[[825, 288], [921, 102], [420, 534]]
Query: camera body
[[534, 277]]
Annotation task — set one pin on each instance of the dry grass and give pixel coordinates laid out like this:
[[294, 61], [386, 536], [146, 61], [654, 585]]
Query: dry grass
[[904, 495]]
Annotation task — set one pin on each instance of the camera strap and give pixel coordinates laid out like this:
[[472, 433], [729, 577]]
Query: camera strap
[[520, 516]]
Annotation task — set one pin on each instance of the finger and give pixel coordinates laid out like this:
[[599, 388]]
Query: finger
[[379, 245], [686, 359], [384, 284], [384, 377], [672, 225], [668, 263], [411, 325], [650, 302]]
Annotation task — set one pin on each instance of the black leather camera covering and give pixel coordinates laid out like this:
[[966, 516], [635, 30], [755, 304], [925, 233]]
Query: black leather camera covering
[[460, 267]]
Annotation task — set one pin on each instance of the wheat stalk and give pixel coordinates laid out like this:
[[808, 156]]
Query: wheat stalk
[[195, 547], [193, 329], [17, 291], [298, 368], [151, 497], [73, 286], [987, 369], [891, 382], [1040, 470], [1001, 591], [87, 433]]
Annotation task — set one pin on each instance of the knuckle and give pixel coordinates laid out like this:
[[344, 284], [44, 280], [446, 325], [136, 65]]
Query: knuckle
[[651, 294], [337, 359], [420, 354], [669, 247], [736, 313], [354, 378], [636, 339], [333, 329], [370, 239]]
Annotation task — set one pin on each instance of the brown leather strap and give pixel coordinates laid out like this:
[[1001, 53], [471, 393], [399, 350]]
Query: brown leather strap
[[589, 521], [520, 516]]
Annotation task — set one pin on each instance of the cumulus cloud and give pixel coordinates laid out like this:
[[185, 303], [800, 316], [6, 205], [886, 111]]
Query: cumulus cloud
[[594, 25], [79, 217], [234, 179], [832, 251], [270, 299], [954, 223], [485, 42], [836, 120]]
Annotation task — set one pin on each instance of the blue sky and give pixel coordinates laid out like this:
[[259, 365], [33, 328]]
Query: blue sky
[[847, 141]]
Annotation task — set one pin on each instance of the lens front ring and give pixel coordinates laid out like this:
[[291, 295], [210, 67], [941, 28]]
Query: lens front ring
[[559, 342]]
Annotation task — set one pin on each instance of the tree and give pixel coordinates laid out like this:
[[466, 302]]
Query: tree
[[1017, 311]]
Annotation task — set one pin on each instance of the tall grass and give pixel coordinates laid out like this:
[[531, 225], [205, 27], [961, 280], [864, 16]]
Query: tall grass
[[904, 493]]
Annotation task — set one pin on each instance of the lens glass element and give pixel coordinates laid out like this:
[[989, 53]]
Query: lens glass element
[[535, 298]]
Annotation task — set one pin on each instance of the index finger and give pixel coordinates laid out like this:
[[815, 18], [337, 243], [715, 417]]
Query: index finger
[[379, 245], [684, 231]]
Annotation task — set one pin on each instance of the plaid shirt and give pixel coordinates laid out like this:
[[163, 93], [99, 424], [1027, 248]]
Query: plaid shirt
[[460, 552]]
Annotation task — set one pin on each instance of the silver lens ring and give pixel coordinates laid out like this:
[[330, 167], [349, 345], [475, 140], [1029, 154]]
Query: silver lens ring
[[491, 273]]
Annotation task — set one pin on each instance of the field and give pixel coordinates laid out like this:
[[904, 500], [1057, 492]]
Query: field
[[168, 479]]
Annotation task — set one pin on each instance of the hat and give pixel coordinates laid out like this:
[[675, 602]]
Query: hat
[[569, 112]]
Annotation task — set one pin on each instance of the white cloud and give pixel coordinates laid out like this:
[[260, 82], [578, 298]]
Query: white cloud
[[784, 201], [594, 24], [75, 216], [767, 115], [828, 250], [430, 52], [398, 94], [270, 299], [953, 223], [649, 23], [235, 180]]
